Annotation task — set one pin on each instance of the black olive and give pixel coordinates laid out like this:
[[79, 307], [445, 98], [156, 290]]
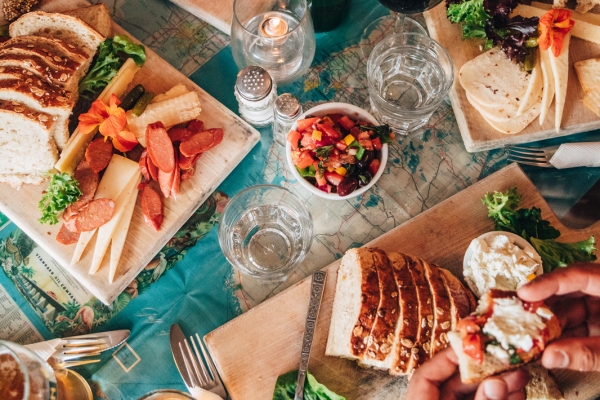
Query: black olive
[[364, 178], [347, 186], [364, 163]]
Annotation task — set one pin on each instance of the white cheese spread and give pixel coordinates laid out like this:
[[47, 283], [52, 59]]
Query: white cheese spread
[[498, 353], [498, 263], [510, 324]]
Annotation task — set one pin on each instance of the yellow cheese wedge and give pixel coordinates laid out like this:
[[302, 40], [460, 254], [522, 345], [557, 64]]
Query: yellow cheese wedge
[[560, 70], [548, 82], [120, 235], [117, 176], [106, 231], [533, 90]]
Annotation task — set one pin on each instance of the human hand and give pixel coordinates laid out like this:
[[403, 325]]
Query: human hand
[[573, 293], [439, 379]]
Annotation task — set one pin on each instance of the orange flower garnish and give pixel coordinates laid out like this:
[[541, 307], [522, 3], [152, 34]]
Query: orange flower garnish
[[110, 121], [553, 27]]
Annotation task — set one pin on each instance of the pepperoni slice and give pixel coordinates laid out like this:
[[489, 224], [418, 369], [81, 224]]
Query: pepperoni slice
[[165, 181], [152, 169], [179, 133], [65, 236], [176, 182], [98, 154], [195, 126], [188, 162], [159, 146], [143, 164], [201, 142], [91, 216], [152, 208], [88, 183]]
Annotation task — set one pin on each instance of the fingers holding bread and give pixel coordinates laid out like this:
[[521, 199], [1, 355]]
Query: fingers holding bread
[[584, 278], [579, 354]]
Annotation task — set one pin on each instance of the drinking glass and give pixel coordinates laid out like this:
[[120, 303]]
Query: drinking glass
[[23, 375], [265, 232], [276, 35], [72, 386], [166, 394], [408, 75]]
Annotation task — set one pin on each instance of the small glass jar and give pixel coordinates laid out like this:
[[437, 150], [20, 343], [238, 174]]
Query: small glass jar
[[287, 110], [255, 92]]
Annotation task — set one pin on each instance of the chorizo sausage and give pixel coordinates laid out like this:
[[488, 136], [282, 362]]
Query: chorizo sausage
[[88, 183], [152, 169], [201, 142], [195, 126], [152, 208], [143, 164], [179, 133], [91, 216], [98, 154], [159, 146], [165, 181], [65, 236], [188, 162]]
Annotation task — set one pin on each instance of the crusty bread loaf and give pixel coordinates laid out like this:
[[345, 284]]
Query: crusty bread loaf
[[442, 319], [97, 16], [542, 384], [58, 26], [60, 47], [460, 303]]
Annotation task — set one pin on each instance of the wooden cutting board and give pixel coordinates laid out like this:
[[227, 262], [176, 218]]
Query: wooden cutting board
[[477, 134], [143, 243], [252, 350]]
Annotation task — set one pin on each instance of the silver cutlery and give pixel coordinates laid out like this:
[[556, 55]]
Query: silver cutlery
[[536, 156], [197, 370], [75, 350], [317, 287]]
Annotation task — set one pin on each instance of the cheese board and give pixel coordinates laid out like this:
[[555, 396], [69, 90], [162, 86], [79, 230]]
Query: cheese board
[[265, 341], [142, 242], [477, 134]]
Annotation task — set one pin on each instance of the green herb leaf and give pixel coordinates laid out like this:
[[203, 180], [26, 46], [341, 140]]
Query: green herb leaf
[[471, 15], [515, 359], [285, 388], [382, 131], [122, 44], [323, 152], [555, 254], [62, 191], [308, 172]]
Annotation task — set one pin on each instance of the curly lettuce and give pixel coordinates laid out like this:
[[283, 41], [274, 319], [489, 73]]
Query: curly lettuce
[[62, 191]]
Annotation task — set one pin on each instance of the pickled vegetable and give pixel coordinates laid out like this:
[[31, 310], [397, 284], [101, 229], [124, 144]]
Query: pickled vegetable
[[141, 104], [132, 97]]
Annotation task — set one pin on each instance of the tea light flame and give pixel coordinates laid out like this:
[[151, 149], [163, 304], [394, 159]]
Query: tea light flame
[[273, 27]]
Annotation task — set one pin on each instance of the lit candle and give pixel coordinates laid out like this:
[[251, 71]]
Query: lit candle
[[273, 27]]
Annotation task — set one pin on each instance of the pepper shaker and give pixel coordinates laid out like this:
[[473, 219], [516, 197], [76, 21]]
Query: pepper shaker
[[255, 92], [287, 111]]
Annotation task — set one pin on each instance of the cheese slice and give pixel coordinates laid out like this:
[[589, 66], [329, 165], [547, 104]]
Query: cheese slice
[[517, 124], [500, 113], [548, 82], [120, 235], [536, 82], [117, 176], [560, 70], [106, 231]]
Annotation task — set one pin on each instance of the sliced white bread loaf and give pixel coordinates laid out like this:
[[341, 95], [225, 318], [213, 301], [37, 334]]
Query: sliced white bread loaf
[[97, 16], [415, 266], [61, 48], [381, 340], [52, 59], [39, 66], [58, 26], [23, 128], [441, 322], [407, 327], [462, 301], [354, 306], [542, 384]]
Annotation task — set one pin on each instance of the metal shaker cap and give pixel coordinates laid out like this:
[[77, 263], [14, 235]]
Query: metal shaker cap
[[253, 83], [288, 105]]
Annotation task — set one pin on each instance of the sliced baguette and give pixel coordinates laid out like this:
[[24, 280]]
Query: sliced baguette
[[441, 321], [97, 16], [381, 340], [355, 303], [407, 328], [461, 304]]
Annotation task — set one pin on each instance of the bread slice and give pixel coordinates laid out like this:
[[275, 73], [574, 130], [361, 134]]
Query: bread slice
[[542, 384], [38, 66], [381, 340], [53, 46], [58, 26], [441, 321], [355, 304], [23, 128], [52, 59], [407, 328], [97, 16], [461, 303]]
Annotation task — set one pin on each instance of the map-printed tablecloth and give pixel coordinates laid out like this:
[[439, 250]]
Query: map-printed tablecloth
[[189, 281]]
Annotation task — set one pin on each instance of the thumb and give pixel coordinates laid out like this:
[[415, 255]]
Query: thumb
[[580, 354], [492, 389]]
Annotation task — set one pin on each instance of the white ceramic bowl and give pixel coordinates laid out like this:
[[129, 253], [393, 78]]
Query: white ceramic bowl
[[353, 112]]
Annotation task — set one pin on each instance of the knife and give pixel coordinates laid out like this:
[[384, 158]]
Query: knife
[[181, 361]]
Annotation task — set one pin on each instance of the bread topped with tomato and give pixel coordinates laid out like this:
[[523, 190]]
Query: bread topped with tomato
[[504, 333]]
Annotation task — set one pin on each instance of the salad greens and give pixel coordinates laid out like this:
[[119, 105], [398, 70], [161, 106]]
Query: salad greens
[[529, 224], [285, 388], [472, 16], [383, 132], [62, 191], [112, 53]]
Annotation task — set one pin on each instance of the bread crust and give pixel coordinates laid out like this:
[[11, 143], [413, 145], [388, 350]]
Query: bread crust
[[459, 299], [61, 47], [441, 323]]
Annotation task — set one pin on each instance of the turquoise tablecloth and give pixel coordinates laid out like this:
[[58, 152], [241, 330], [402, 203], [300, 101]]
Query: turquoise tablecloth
[[197, 287]]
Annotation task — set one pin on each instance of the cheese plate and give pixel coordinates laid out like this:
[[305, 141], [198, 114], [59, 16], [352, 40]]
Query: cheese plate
[[142, 242], [477, 134], [270, 335]]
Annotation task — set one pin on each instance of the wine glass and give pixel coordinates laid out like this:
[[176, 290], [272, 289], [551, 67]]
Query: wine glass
[[277, 36]]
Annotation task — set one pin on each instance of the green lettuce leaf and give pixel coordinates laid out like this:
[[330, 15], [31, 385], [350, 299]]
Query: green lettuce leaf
[[62, 191], [285, 388], [555, 254], [471, 15]]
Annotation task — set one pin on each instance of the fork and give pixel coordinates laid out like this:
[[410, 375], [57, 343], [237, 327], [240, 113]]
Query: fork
[[536, 156], [71, 352], [200, 368]]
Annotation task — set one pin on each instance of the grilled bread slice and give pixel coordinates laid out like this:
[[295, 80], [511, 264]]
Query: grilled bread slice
[[58, 26], [440, 323], [357, 298], [97, 16], [504, 333], [381, 340]]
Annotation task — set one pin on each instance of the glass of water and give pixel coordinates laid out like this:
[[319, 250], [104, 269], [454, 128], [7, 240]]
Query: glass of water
[[409, 75], [276, 35], [265, 232]]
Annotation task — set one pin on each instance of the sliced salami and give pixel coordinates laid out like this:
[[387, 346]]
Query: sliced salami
[[152, 169], [179, 133], [152, 208], [176, 180], [198, 143], [143, 164], [159, 146], [98, 154], [188, 162], [65, 236], [195, 126], [91, 216], [88, 183]]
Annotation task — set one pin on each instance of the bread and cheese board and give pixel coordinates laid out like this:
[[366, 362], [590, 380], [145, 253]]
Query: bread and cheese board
[[270, 335], [137, 242], [473, 121]]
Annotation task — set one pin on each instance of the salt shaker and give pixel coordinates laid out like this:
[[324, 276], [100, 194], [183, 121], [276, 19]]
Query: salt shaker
[[255, 92], [287, 110]]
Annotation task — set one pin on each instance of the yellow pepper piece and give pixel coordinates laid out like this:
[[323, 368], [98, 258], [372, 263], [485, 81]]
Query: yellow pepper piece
[[531, 277], [330, 169], [349, 139], [317, 135], [341, 170]]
